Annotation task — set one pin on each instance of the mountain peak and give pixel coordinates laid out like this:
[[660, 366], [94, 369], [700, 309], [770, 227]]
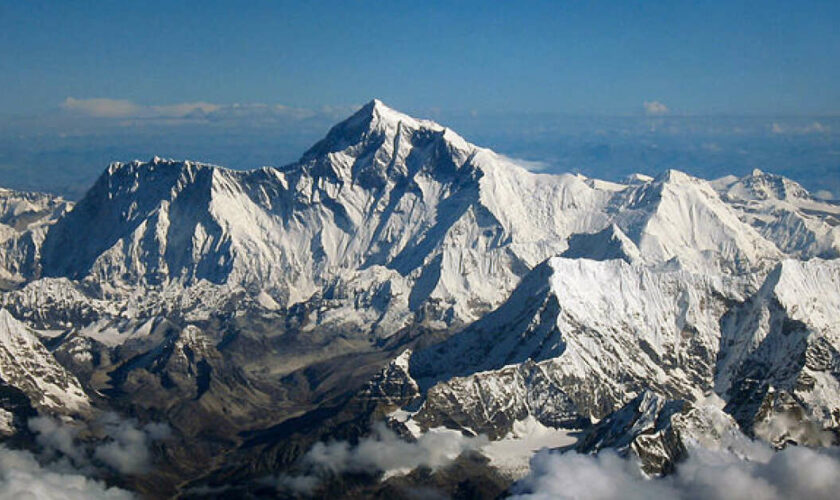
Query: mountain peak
[[379, 115], [674, 176], [764, 185], [375, 123], [379, 107]]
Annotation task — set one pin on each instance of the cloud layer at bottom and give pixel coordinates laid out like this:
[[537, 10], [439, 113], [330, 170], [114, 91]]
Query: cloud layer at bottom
[[22, 477], [795, 472]]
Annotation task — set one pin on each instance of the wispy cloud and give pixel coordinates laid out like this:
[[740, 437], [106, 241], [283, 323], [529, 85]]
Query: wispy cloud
[[789, 129], [69, 467], [123, 108], [191, 112], [125, 444], [101, 107], [384, 451], [530, 165], [22, 476], [655, 108]]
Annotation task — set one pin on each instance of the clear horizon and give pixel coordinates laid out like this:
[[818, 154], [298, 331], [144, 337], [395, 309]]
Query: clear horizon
[[573, 57], [602, 88]]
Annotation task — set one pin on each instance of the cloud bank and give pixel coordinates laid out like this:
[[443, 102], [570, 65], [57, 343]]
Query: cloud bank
[[127, 446], [122, 445], [384, 452], [22, 477], [794, 472], [799, 129], [193, 112], [65, 465]]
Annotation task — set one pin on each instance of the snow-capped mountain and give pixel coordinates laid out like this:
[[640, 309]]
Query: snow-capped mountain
[[28, 366], [403, 210], [382, 198], [398, 272], [784, 213], [24, 220], [579, 337]]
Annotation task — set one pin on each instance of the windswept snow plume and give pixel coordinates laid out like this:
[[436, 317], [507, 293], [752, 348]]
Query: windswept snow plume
[[795, 472], [22, 477], [384, 452]]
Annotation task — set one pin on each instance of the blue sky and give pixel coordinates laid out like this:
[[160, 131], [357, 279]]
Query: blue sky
[[716, 57], [602, 88]]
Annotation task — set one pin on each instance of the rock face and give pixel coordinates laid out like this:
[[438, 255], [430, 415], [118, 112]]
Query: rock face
[[28, 366], [645, 427], [398, 269], [587, 334], [783, 343], [660, 432], [579, 338], [24, 221]]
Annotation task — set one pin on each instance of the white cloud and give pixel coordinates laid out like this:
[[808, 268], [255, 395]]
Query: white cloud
[[384, 451], [191, 112], [795, 472], [793, 129], [57, 438], [101, 107], [824, 194], [655, 108], [122, 108], [125, 445], [182, 110], [574, 476], [22, 477], [782, 427]]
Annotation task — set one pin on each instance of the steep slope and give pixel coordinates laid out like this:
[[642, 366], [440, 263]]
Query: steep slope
[[579, 338], [661, 432], [781, 349], [609, 244], [576, 340], [24, 220], [440, 217], [681, 219], [28, 366]]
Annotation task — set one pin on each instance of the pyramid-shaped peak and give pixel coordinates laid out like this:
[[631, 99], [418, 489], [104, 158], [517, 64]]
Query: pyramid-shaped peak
[[377, 114], [674, 176], [759, 185], [376, 122]]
